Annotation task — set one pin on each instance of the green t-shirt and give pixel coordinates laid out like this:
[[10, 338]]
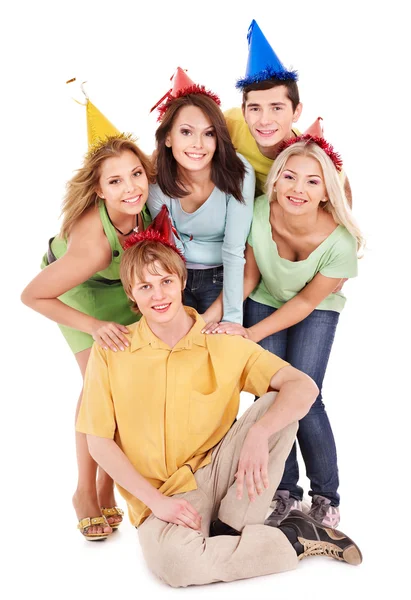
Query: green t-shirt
[[282, 279]]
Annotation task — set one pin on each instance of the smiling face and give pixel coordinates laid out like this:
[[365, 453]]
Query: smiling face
[[192, 139], [270, 116], [158, 294], [300, 187], [123, 183]]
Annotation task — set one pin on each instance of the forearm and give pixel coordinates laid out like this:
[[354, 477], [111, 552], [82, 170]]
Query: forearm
[[291, 404], [214, 312], [233, 264], [57, 311], [292, 312], [250, 283], [112, 459]]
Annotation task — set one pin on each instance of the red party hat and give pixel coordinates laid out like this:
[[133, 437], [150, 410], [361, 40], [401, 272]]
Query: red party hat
[[160, 230], [182, 86], [315, 129]]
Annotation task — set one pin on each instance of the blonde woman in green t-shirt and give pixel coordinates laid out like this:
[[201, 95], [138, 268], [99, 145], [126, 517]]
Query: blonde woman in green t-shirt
[[303, 243]]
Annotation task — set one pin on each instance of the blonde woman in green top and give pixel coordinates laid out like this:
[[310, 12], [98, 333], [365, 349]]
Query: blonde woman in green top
[[80, 288], [303, 243]]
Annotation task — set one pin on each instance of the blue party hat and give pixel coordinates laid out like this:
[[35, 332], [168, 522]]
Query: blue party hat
[[263, 63]]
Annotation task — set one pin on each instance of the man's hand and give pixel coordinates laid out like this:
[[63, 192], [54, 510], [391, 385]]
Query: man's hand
[[253, 464], [176, 510]]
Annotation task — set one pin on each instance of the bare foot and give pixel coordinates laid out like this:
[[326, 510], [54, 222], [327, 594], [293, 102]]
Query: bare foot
[[86, 505]]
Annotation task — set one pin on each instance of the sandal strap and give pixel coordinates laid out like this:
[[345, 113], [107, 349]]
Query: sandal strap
[[87, 522], [112, 512]]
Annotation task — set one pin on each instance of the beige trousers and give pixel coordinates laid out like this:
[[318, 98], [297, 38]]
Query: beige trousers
[[181, 556]]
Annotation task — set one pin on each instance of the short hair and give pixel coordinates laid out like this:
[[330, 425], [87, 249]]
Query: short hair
[[145, 254], [290, 85], [227, 169]]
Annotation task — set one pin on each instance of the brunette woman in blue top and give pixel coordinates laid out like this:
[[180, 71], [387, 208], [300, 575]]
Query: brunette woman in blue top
[[209, 192]]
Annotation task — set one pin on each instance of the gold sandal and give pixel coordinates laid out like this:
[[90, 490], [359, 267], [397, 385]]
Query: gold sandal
[[87, 522], [114, 511]]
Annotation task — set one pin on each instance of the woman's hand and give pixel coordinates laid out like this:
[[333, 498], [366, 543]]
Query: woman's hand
[[176, 510], [253, 465], [230, 328], [110, 335], [211, 327]]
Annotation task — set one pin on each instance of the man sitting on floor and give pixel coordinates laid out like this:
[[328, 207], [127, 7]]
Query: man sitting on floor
[[159, 419]]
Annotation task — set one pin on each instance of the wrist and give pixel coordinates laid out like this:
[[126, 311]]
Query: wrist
[[259, 431], [252, 335], [92, 325], [152, 499]]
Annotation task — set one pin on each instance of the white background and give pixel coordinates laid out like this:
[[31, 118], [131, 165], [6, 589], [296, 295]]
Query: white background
[[353, 65]]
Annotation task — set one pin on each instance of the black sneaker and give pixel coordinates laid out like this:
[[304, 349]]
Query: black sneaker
[[309, 538], [220, 528]]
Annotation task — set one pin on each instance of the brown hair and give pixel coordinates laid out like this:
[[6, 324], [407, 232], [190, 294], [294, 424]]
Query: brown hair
[[227, 169], [81, 189], [292, 89], [145, 254]]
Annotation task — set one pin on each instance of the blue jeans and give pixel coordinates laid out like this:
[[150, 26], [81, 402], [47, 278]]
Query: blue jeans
[[306, 346], [203, 287]]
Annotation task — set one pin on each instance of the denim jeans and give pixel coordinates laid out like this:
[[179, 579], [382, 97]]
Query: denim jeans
[[203, 287], [306, 346]]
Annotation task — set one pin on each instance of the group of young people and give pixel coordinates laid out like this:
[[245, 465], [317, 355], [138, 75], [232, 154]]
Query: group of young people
[[213, 267]]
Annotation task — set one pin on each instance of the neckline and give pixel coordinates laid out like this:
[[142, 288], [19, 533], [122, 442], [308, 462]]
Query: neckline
[[200, 207], [135, 228], [296, 262]]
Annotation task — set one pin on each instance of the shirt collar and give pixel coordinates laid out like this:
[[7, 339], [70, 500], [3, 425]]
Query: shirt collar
[[143, 336]]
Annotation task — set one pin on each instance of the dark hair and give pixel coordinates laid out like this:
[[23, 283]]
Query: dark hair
[[227, 169], [291, 86]]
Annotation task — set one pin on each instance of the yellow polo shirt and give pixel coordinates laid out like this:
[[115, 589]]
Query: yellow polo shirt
[[167, 408], [246, 145]]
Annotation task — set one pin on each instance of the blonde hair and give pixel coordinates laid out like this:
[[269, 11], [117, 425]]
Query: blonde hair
[[81, 189], [337, 204], [145, 254]]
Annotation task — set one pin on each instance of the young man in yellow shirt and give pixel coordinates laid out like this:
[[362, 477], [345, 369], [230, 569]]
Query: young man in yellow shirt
[[159, 419], [270, 107]]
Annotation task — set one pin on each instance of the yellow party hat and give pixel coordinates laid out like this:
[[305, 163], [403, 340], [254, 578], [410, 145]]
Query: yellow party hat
[[98, 126]]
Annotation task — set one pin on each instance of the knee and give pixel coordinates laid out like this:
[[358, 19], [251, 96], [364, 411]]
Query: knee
[[177, 564]]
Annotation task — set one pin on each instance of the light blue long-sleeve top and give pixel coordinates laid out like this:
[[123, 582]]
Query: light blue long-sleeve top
[[214, 234]]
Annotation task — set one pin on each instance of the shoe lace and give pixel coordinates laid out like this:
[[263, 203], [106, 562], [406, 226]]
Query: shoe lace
[[315, 548], [319, 509], [282, 505]]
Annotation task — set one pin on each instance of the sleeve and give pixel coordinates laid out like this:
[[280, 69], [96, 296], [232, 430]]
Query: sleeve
[[250, 236], [237, 227], [156, 199], [260, 367], [96, 415], [341, 261]]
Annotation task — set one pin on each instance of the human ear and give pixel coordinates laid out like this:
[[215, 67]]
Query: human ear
[[168, 141], [99, 193], [297, 112]]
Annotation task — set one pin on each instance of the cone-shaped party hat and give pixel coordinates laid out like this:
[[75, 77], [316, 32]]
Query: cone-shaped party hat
[[263, 63], [316, 128], [99, 128], [319, 141], [182, 85], [160, 230]]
